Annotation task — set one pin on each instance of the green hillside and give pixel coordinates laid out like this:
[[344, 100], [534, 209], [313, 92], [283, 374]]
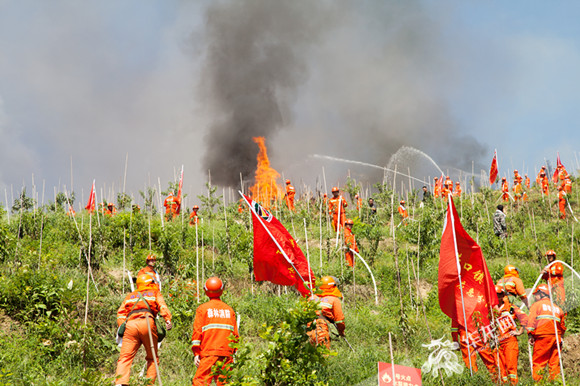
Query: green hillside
[[59, 322]]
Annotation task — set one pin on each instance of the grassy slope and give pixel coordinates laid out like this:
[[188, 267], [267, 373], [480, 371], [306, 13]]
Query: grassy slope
[[43, 339]]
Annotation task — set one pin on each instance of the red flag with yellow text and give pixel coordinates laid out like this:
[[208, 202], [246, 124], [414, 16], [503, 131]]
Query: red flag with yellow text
[[493, 170], [558, 167], [459, 249], [270, 263]]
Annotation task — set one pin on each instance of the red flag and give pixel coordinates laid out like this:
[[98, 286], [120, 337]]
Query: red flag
[[458, 249], [277, 257], [493, 170], [558, 167], [92, 199], [178, 209]]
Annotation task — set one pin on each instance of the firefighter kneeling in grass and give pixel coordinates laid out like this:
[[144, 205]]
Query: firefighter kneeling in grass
[[214, 324], [330, 313]]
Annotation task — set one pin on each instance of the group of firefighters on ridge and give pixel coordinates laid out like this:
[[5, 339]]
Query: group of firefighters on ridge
[[215, 326], [545, 326]]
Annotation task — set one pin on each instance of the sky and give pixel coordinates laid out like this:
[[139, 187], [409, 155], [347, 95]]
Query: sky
[[125, 93]]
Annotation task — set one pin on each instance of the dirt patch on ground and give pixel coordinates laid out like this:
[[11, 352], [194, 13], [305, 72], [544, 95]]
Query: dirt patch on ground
[[9, 326], [571, 356]]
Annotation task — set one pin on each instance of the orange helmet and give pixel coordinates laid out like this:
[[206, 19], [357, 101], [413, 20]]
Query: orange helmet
[[550, 252], [327, 282], [213, 287], [349, 221], [511, 270], [503, 178], [515, 171], [402, 202], [145, 282], [287, 182], [542, 288], [435, 178], [334, 189], [195, 207], [150, 257]]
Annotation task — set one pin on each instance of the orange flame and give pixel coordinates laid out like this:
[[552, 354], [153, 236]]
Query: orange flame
[[265, 190]]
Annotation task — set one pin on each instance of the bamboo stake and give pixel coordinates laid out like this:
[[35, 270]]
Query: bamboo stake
[[320, 234], [153, 350], [124, 265], [7, 208], [395, 253], [228, 235], [41, 227], [307, 252], [196, 263], [202, 256], [159, 203], [89, 271]]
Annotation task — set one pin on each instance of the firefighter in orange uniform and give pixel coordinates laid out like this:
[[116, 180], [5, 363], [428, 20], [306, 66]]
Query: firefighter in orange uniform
[[193, 218], [436, 188], [526, 181], [358, 202], [508, 331], [517, 177], [562, 196], [214, 324], [403, 212], [518, 191], [149, 269], [458, 191], [554, 277], [567, 185], [337, 207], [139, 309], [330, 312], [290, 193], [505, 189], [71, 211], [110, 210], [447, 187], [546, 327], [540, 176], [349, 242], [476, 346], [172, 206], [513, 285]]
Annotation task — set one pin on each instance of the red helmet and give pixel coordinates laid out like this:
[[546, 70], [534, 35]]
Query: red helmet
[[515, 171], [287, 182], [542, 288], [551, 252], [402, 202], [213, 287], [334, 189], [195, 207], [145, 282], [349, 221], [150, 257]]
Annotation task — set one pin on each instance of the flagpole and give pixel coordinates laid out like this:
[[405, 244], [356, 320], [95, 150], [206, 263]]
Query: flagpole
[[276, 242], [449, 204], [307, 253]]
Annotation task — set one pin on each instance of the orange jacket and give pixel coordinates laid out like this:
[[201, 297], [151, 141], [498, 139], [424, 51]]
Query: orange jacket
[[214, 323], [513, 285], [193, 219], [153, 298], [333, 204], [349, 240], [505, 321], [527, 182], [436, 191], [542, 316], [554, 275], [403, 211], [331, 308], [172, 204], [458, 191]]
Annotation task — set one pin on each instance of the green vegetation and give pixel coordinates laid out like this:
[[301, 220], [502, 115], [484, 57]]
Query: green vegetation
[[50, 335]]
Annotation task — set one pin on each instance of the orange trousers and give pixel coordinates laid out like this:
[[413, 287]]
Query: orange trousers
[[545, 353], [203, 375], [335, 220], [487, 356], [349, 258], [508, 359], [136, 333], [320, 334], [562, 207]]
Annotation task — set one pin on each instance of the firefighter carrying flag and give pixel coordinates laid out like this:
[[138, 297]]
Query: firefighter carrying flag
[[277, 257], [466, 291]]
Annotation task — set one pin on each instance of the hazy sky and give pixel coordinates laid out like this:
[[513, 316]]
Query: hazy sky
[[165, 83]]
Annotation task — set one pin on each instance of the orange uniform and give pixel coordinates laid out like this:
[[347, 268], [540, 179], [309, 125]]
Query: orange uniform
[[172, 206], [290, 193], [458, 191], [349, 243], [476, 346], [518, 191], [554, 276], [517, 177], [527, 181], [545, 184], [193, 218], [513, 286], [436, 187], [505, 190], [330, 312], [542, 328], [562, 202], [214, 324], [508, 343], [567, 185], [358, 202], [137, 332], [336, 205]]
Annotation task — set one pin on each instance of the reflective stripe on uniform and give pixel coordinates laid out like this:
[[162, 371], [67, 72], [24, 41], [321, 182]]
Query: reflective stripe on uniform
[[327, 305], [548, 317], [217, 326], [196, 342]]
